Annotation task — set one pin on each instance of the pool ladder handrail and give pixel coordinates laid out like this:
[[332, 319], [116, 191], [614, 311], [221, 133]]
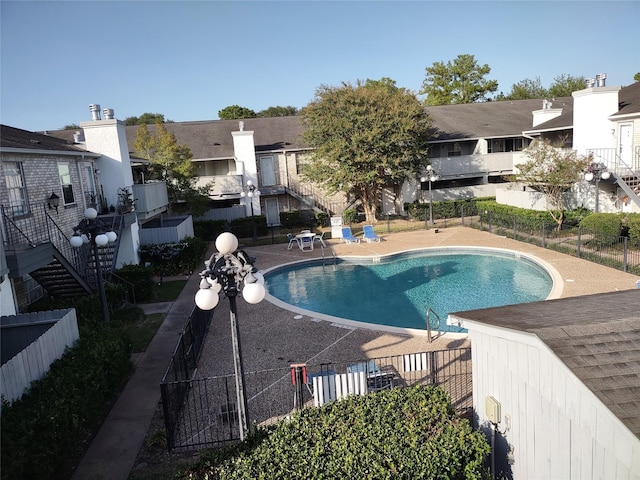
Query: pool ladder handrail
[[430, 310]]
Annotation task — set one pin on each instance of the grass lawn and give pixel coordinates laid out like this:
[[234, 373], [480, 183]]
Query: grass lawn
[[168, 291]]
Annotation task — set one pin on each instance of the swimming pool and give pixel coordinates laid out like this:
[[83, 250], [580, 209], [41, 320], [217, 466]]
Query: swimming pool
[[396, 290]]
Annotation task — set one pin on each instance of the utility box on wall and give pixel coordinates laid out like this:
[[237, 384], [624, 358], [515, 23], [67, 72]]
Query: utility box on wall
[[492, 409]]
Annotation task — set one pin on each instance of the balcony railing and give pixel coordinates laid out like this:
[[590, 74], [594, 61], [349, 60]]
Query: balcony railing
[[473, 165], [151, 199], [221, 184]]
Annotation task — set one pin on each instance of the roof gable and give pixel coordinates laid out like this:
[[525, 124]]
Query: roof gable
[[15, 138]]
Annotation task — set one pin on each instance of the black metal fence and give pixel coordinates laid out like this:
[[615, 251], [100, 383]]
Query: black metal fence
[[610, 250], [203, 412]]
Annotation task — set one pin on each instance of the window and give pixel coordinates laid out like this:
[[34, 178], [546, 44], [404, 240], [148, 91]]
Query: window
[[16, 189], [454, 150], [301, 164], [65, 182]]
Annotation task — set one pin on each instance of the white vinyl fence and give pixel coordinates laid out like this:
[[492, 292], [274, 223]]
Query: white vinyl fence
[[31, 342]]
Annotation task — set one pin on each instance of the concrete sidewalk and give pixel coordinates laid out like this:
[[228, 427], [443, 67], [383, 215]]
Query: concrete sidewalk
[[271, 335]]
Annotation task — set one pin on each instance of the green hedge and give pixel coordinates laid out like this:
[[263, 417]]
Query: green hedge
[[45, 431], [174, 258], [404, 433], [445, 209]]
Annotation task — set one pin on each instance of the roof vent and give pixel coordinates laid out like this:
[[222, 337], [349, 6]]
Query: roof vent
[[78, 136], [600, 79], [242, 126], [546, 104], [108, 113], [590, 82], [95, 111]]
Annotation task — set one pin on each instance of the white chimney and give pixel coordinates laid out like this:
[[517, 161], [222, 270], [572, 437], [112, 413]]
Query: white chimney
[[95, 111], [108, 113]]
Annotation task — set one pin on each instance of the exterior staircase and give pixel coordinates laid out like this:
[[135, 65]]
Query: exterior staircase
[[626, 176], [39, 247]]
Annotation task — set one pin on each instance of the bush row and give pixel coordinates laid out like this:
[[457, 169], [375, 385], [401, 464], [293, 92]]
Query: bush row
[[46, 430], [399, 433]]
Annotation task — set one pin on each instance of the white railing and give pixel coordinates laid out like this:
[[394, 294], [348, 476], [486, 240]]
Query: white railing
[[221, 184]]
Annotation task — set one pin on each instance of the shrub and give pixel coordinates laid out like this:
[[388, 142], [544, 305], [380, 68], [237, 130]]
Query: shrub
[[322, 219], [291, 219], [633, 223], [606, 224], [141, 278], [399, 433], [46, 429], [208, 230], [349, 216], [174, 258], [243, 227]]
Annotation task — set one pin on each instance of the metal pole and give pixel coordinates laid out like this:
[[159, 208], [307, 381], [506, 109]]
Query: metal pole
[[253, 223], [597, 191], [103, 295], [430, 203], [241, 393]]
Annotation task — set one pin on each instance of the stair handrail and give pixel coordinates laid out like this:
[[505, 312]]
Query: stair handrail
[[430, 310], [620, 168], [320, 200], [8, 236]]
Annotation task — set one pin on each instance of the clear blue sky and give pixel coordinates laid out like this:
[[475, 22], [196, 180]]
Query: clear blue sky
[[189, 59]]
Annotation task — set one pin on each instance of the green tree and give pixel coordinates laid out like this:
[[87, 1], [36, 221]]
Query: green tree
[[278, 112], [365, 137], [71, 126], [525, 89], [552, 172], [636, 77], [171, 162], [146, 119], [235, 112], [564, 85], [462, 81]]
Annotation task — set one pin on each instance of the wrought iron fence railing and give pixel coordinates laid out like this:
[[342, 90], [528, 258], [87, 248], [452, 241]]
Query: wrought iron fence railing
[[202, 412]]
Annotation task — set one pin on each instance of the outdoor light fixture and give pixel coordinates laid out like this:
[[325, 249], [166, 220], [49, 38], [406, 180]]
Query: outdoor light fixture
[[252, 191], [431, 176], [94, 231], [596, 172], [230, 271], [53, 201]]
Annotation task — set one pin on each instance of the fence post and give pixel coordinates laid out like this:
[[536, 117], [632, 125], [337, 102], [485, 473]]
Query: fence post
[[462, 215], [544, 232], [515, 218], [624, 256], [433, 369], [579, 241], [299, 379]]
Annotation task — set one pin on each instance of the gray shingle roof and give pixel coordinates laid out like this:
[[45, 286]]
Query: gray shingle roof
[[16, 138], [596, 336], [629, 97]]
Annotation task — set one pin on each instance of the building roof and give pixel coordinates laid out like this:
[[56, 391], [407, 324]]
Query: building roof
[[596, 336], [15, 138], [629, 98], [507, 118]]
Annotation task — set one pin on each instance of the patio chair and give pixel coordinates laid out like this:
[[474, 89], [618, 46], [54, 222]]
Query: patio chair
[[376, 379], [292, 241], [369, 235], [348, 237], [306, 243], [320, 238]]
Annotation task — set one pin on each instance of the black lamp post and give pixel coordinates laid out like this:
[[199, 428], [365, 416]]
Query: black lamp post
[[596, 172], [431, 176], [252, 191], [227, 271], [93, 230]]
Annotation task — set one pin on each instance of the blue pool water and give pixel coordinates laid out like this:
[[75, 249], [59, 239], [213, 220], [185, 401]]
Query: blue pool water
[[396, 290]]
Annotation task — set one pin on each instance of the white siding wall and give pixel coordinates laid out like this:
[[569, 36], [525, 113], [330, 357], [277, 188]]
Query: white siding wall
[[559, 429], [591, 126]]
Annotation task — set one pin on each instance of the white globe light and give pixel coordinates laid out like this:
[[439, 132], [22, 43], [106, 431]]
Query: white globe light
[[588, 176], [76, 241], [206, 299], [84, 238], [429, 167], [215, 286], [605, 175], [226, 243], [250, 194], [253, 292], [257, 193], [90, 213], [111, 236], [243, 194], [249, 183], [433, 178], [102, 240], [423, 179], [259, 277]]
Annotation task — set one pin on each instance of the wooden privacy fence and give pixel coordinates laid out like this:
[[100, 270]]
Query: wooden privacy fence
[[202, 413]]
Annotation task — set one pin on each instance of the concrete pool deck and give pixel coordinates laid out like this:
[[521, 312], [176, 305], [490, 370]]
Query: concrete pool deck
[[273, 337]]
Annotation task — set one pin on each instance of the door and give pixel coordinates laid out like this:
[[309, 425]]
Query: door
[[272, 210], [625, 146], [267, 171]]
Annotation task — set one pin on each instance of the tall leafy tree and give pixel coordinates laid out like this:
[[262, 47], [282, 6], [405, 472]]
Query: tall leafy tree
[[146, 119], [235, 112], [460, 81], [278, 112], [525, 89], [365, 137], [564, 85], [171, 162], [552, 172]]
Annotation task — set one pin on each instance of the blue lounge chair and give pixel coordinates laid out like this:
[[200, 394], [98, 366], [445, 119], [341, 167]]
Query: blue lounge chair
[[292, 241], [369, 234], [348, 237]]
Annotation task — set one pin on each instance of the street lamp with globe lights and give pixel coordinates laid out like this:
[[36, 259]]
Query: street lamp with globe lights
[[595, 173], [431, 176], [229, 271], [94, 231], [252, 191]]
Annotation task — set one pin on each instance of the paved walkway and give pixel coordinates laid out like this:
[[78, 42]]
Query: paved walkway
[[271, 336]]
